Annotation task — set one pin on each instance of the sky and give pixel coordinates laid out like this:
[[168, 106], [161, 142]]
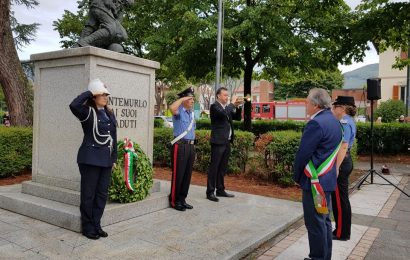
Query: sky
[[48, 40]]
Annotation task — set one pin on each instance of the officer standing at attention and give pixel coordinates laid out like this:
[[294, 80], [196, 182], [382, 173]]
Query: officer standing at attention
[[97, 154], [344, 109], [183, 149]]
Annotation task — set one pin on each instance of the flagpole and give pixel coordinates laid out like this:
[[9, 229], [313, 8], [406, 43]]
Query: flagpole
[[218, 46]]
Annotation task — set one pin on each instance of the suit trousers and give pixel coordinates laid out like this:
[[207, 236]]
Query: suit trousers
[[183, 156], [319, 228], [95, 181], [218, 167], [342, 212]]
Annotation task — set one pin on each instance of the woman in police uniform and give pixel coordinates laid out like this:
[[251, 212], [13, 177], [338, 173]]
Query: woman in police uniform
[[96, 156], [344, 109]]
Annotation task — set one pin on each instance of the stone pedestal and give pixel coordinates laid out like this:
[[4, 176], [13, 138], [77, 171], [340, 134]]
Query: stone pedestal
[[59, 77]]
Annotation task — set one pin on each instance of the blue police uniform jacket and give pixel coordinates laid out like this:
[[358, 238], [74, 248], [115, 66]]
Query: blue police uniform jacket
[[181, 122], [349, 130], [320, 138], [91, 152]]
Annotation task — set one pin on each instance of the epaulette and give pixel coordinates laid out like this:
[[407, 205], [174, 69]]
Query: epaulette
[[343, 121]]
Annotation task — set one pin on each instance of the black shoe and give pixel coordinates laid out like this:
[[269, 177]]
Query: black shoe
[[340, 239], [308, 258], [187, 206], [102, 233], [224, 194], [179, 206], [91, 236], [212, 197]]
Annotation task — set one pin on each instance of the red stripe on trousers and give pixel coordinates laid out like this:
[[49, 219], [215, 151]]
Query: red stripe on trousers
[[339, 214], [174, 175]]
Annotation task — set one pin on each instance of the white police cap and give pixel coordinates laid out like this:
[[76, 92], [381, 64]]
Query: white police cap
[[97, 86]]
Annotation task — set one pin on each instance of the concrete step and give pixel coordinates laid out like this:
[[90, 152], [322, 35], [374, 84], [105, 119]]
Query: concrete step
[[68, 216], [63, 195]]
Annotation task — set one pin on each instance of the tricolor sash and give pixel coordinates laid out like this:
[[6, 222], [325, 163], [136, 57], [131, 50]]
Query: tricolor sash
[[319, 198], [129, 157]]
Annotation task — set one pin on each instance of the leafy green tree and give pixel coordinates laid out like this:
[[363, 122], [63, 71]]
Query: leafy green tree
[[297, 85], [272, 34], [390, 110], [386, 24], [16, 88]]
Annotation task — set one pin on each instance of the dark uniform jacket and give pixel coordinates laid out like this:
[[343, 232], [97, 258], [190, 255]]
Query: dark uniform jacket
[[320, 138], [90, 151], [221, 122]]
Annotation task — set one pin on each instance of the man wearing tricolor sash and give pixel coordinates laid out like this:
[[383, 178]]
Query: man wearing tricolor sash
[[315, 171]]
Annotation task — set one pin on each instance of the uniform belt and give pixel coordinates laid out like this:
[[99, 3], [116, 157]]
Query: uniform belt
[[186, 141]]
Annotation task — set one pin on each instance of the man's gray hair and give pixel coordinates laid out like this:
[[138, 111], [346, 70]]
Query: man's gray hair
[[320, 97]]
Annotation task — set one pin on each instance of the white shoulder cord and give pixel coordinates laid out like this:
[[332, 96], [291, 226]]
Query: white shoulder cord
[[95, 130], [179, 137]]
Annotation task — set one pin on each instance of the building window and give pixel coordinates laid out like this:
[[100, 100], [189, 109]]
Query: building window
[[257, 109], [403, 94], [265, 108]]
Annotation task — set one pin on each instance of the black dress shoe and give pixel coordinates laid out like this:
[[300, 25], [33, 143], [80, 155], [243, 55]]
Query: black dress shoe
[[179, 206], [340, 239], [102, 233], [224, 194], [212, 197], [91, 236], [187, 206]]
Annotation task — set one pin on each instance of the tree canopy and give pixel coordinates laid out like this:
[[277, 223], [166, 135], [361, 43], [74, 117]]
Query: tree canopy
[[273, 34]]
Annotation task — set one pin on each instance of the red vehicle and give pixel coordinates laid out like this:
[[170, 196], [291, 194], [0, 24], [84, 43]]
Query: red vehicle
[[281, 110], [263, 110]]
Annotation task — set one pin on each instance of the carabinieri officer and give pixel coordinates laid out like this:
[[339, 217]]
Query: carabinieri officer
[[96, 156], [183, 149], [344, 109]]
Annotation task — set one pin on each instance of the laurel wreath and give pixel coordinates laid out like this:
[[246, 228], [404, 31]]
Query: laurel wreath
[[143, 181]]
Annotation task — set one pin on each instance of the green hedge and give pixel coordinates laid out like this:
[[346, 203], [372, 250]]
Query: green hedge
[[15, 150], [239, 152], [158, 123], [258, 126], [280, 155], [389, 138]]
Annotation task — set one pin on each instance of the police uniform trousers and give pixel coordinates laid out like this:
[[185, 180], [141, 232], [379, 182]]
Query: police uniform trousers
[[319, 227], [183, 156], [95, 181], [218, 167], [342, 211]]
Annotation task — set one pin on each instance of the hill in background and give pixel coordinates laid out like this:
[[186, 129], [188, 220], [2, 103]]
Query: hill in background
[[357, 78]]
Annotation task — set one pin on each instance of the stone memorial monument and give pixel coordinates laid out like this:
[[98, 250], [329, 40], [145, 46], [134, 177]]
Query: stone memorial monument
[[53, 194]]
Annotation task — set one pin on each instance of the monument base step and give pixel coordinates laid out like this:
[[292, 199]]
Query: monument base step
[[68, 216], [62, 195]]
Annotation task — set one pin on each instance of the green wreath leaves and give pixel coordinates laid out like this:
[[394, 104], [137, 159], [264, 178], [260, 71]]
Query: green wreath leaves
[[143, 182]]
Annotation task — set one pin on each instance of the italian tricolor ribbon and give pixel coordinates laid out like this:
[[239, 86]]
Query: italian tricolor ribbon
[[319, 198], [129, 157]]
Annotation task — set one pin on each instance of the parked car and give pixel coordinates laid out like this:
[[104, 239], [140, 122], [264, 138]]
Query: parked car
[[167, 121]]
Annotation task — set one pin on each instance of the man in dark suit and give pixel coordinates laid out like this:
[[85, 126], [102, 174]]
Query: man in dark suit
[[315, 171], [222, 135]]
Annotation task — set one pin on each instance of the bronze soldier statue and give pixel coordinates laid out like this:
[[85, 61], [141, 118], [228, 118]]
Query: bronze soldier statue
[[103, 28]]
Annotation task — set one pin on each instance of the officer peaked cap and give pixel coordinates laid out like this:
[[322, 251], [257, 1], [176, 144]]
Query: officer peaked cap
[[344, 100], [189, 92]]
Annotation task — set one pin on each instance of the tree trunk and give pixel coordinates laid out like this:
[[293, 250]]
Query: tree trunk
[[247, 90], [16, 88]]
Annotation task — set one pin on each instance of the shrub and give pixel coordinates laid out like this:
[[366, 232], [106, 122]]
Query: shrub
[[389, 138], [259, 127], [143, 177], [390, 110], [15, 150], [239, 150], [161, 149], [158, 123], [280, 155]]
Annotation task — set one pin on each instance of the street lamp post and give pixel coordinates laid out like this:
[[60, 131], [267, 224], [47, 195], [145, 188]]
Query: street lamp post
[[219, 45]]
